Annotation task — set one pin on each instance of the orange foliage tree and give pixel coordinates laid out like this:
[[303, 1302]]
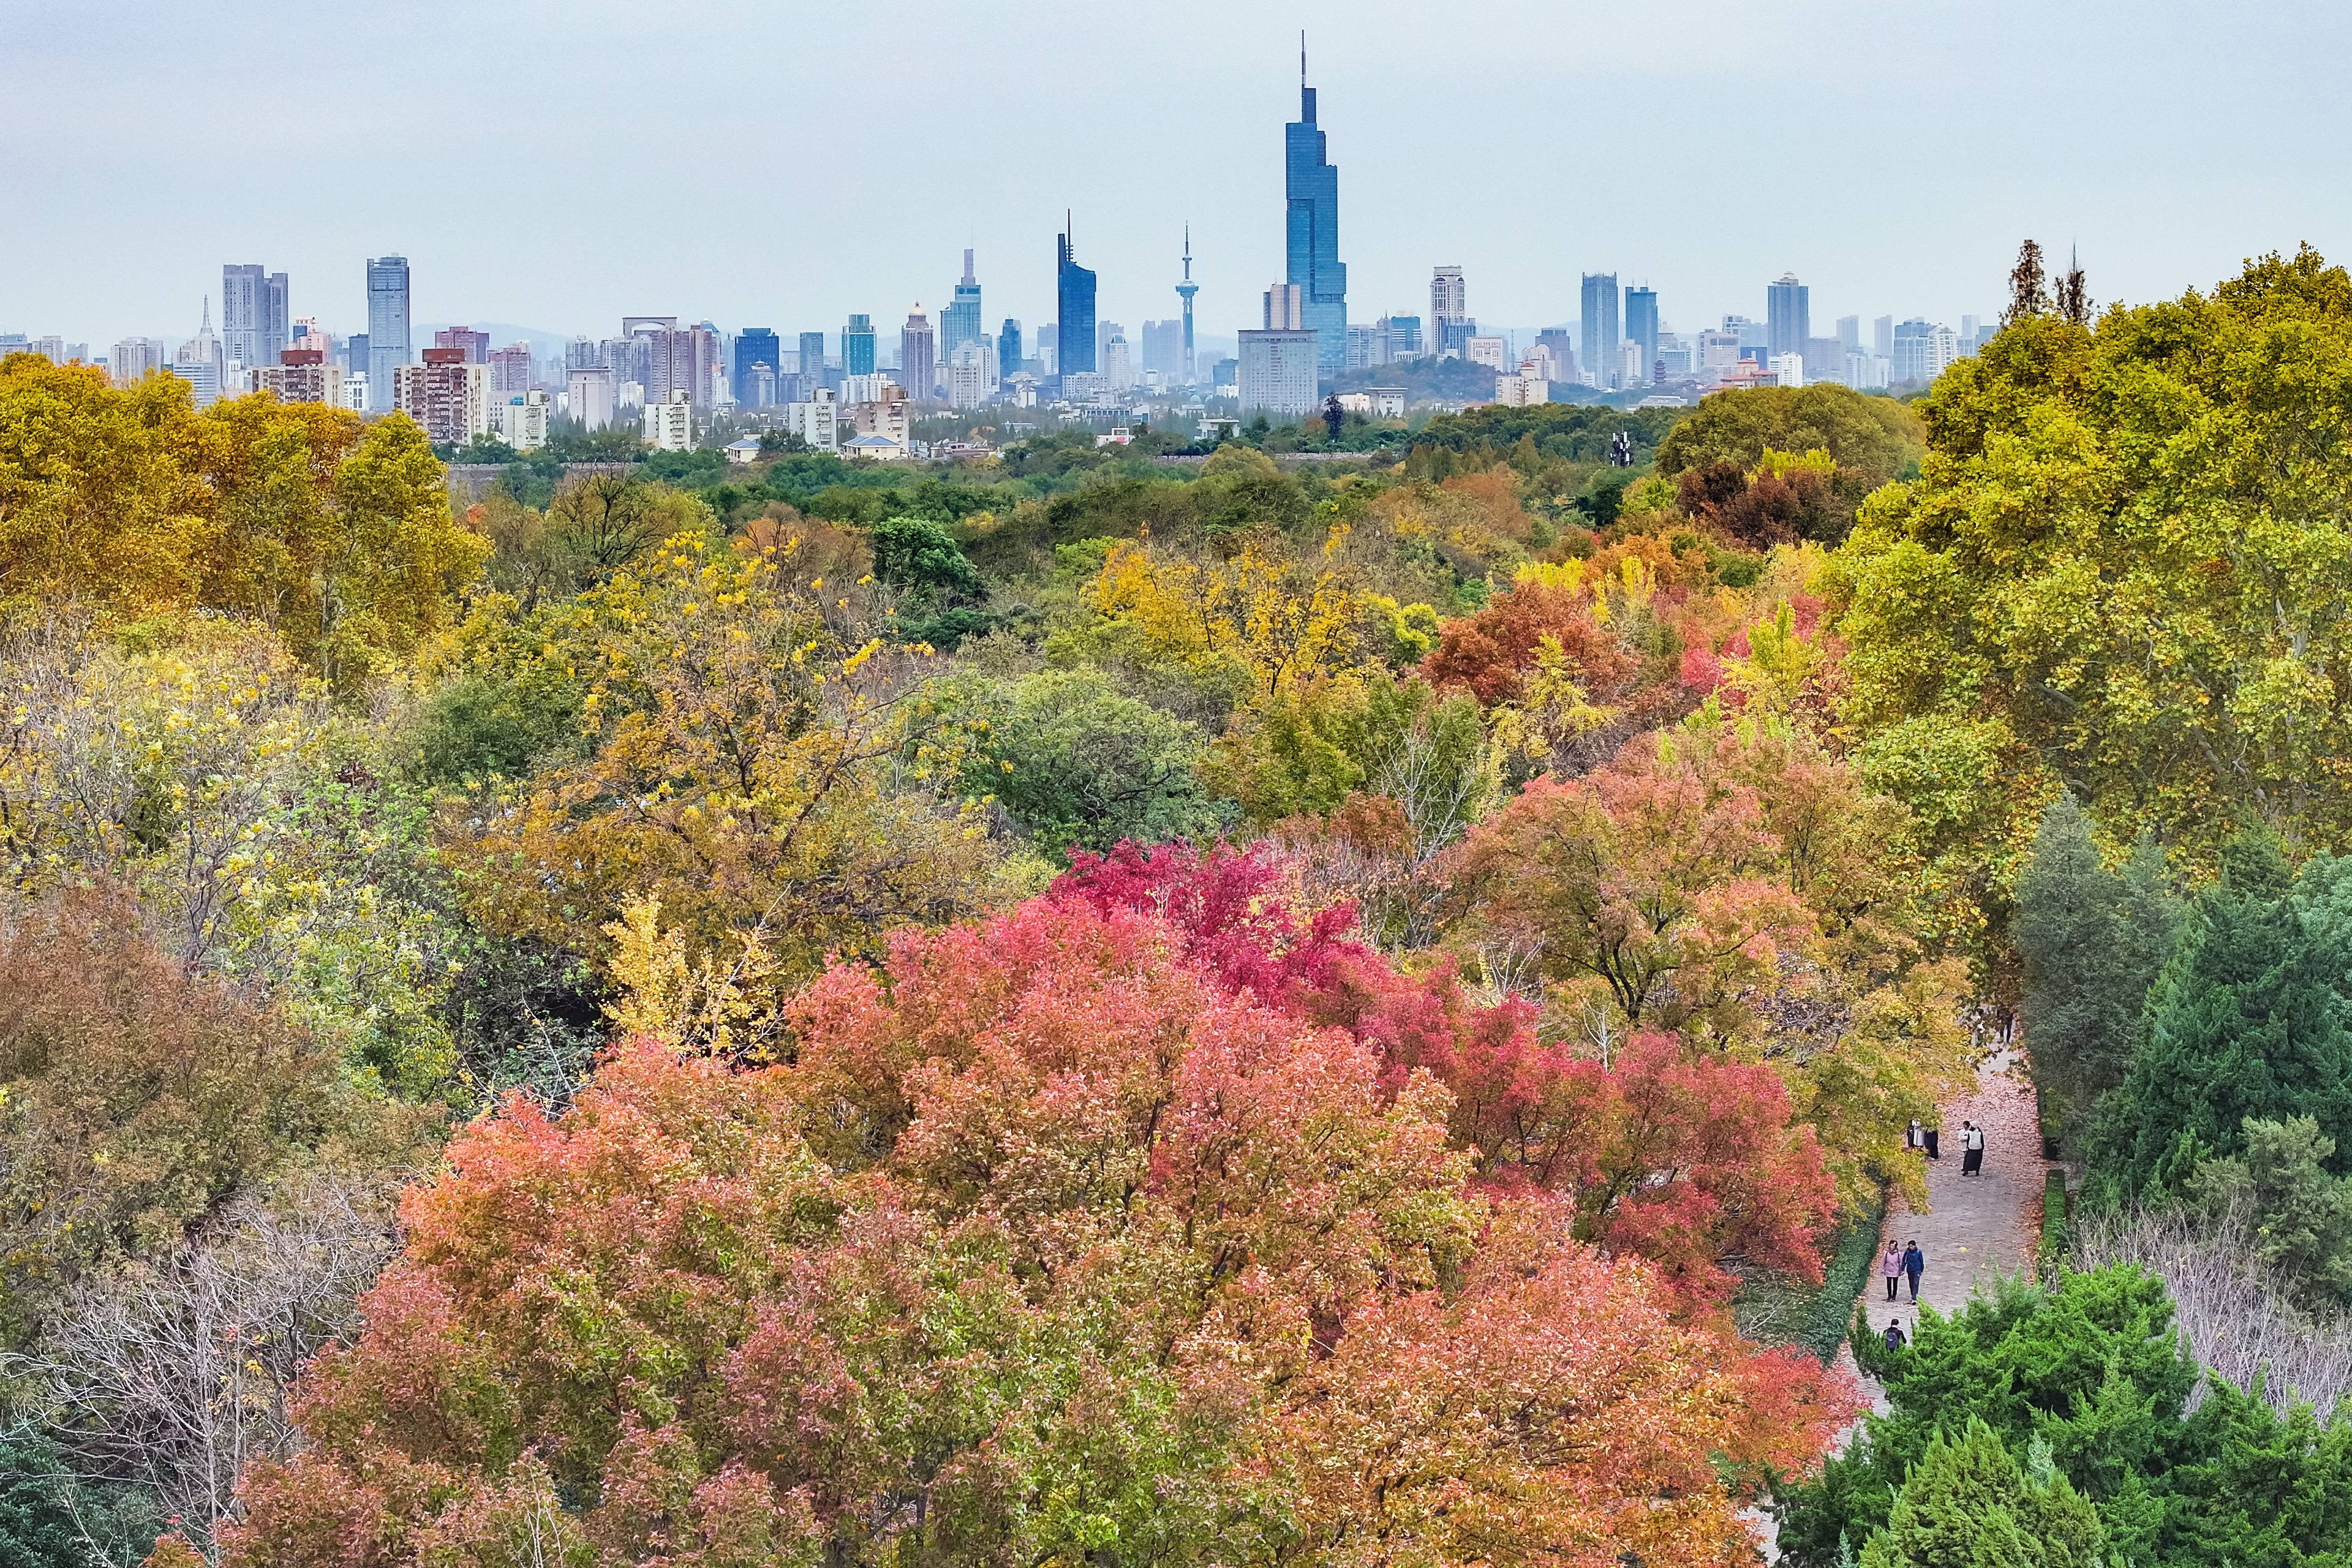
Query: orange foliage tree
[[1052, 1245]]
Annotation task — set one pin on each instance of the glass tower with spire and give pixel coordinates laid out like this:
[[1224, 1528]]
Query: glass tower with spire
[[1311, 184]]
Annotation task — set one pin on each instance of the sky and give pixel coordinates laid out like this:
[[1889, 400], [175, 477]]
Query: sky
[[559, 163]]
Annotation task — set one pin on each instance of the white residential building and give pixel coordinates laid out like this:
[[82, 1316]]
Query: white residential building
[[1867, 372], [134, 359], [1485, 348], [1521, 388], [967, 376], [589, 396], [816, 421], [1788, 370], [522, 421], [1633, 369], [355, 391], [669, 426]]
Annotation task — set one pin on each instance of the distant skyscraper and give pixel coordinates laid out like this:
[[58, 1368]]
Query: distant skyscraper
[[1849, 332], [960, 322], [756, 346], [1008, 347], [1602, 332], [476, 345], [1312, 186], [200, 361], [1163, 347], [1184, 292], [134, 359], [1449, 312], [509, 369], [1882, 337], [813, 371], [1641, 327], [387, 300], [1401, 338], [1073, 294], [918, 355], [254, 319], [857, 346], [1286, 309], [1788, 316]]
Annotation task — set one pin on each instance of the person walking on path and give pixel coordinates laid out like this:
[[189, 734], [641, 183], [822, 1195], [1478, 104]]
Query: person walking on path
[[1915, 1264], [1891, 1266], [1930, 1135], [1971, 1149], [1916, 1136], [1895, 1340]]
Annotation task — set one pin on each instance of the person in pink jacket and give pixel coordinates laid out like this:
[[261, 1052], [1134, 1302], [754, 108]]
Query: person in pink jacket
[[1891, 1266]]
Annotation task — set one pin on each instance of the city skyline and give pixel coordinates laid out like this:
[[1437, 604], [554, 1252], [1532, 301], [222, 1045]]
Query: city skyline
[[1616, 169]]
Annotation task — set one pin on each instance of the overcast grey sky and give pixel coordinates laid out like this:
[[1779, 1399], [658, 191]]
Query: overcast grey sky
[[558, 162]]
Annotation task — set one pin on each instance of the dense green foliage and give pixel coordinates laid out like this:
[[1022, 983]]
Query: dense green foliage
[[2082, 1384]]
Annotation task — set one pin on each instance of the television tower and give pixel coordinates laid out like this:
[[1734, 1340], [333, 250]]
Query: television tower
[[1184, 292]]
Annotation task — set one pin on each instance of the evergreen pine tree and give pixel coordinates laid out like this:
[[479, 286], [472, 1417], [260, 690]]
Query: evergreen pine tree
[[1968, 1504], [37, 1529]]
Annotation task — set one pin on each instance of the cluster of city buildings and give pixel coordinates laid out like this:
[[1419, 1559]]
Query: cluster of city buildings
[[676, 381]]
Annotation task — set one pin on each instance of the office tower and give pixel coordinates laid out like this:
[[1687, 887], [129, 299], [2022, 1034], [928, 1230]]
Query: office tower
[[387, 309], [1751, 334], [1642, 329], [918, 355], [1008, 347], [1401, 338], [476, 345], [857, 346], [1184, 292], [1311, 191], [813, 367], [1882, 337], [1849, 333], [756, 346], [1163, 347], [509, 370], [1556, 345], [254, 315], [1365, 343], [1788, 317], [589, 395], [1118, 365], [1449, 312], [355, 359], [960, 322], [1280, 363], [1073, 297], [134, 359], [1922, 351], [1601, 334]]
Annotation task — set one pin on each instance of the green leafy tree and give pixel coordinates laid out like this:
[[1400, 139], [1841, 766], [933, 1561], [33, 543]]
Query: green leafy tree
[[918, 554], [1080, 765], [37, 1524], [2092, 940], [1875, 438], [2302, 1215]]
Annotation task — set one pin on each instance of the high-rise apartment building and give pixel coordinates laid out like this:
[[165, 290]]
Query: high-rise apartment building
[[302, 375], [256, 322], [1642, 329], [387, 310], [1286, 309], [757, 346], [1118, 364], [1602, 331], [450, 398], [670, 425], [1311, 249], [1788, 316], [959, 324], [509, 370], [1922, 351], [133, 359], [588, 394], [1366, 342], [918, 355], [476, 345], [1449, 312], [1073, 298], [857, 346], [969, 383]]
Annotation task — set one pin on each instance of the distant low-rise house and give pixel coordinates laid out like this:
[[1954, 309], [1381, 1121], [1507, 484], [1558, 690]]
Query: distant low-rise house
[[742, 449]]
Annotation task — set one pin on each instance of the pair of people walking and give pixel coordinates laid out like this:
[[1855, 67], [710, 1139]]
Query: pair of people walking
[[1900, 1263], [1972, 1145], [1924, 1138]]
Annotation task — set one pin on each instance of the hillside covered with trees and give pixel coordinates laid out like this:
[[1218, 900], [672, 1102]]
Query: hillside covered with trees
[[1080, 1010]]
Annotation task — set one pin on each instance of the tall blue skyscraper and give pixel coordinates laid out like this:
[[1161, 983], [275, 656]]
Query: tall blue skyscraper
[[1642, 326], [1602, 338], [1311, 184], [857, 346], [1008, 347], [960, 322], [387, 304], [1788, 316], [755, 345], [1074, 292]]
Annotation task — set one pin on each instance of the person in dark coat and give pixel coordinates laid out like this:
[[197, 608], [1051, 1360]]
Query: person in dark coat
[[1895, 1340], [1931, 1134], [1914, 1263]]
